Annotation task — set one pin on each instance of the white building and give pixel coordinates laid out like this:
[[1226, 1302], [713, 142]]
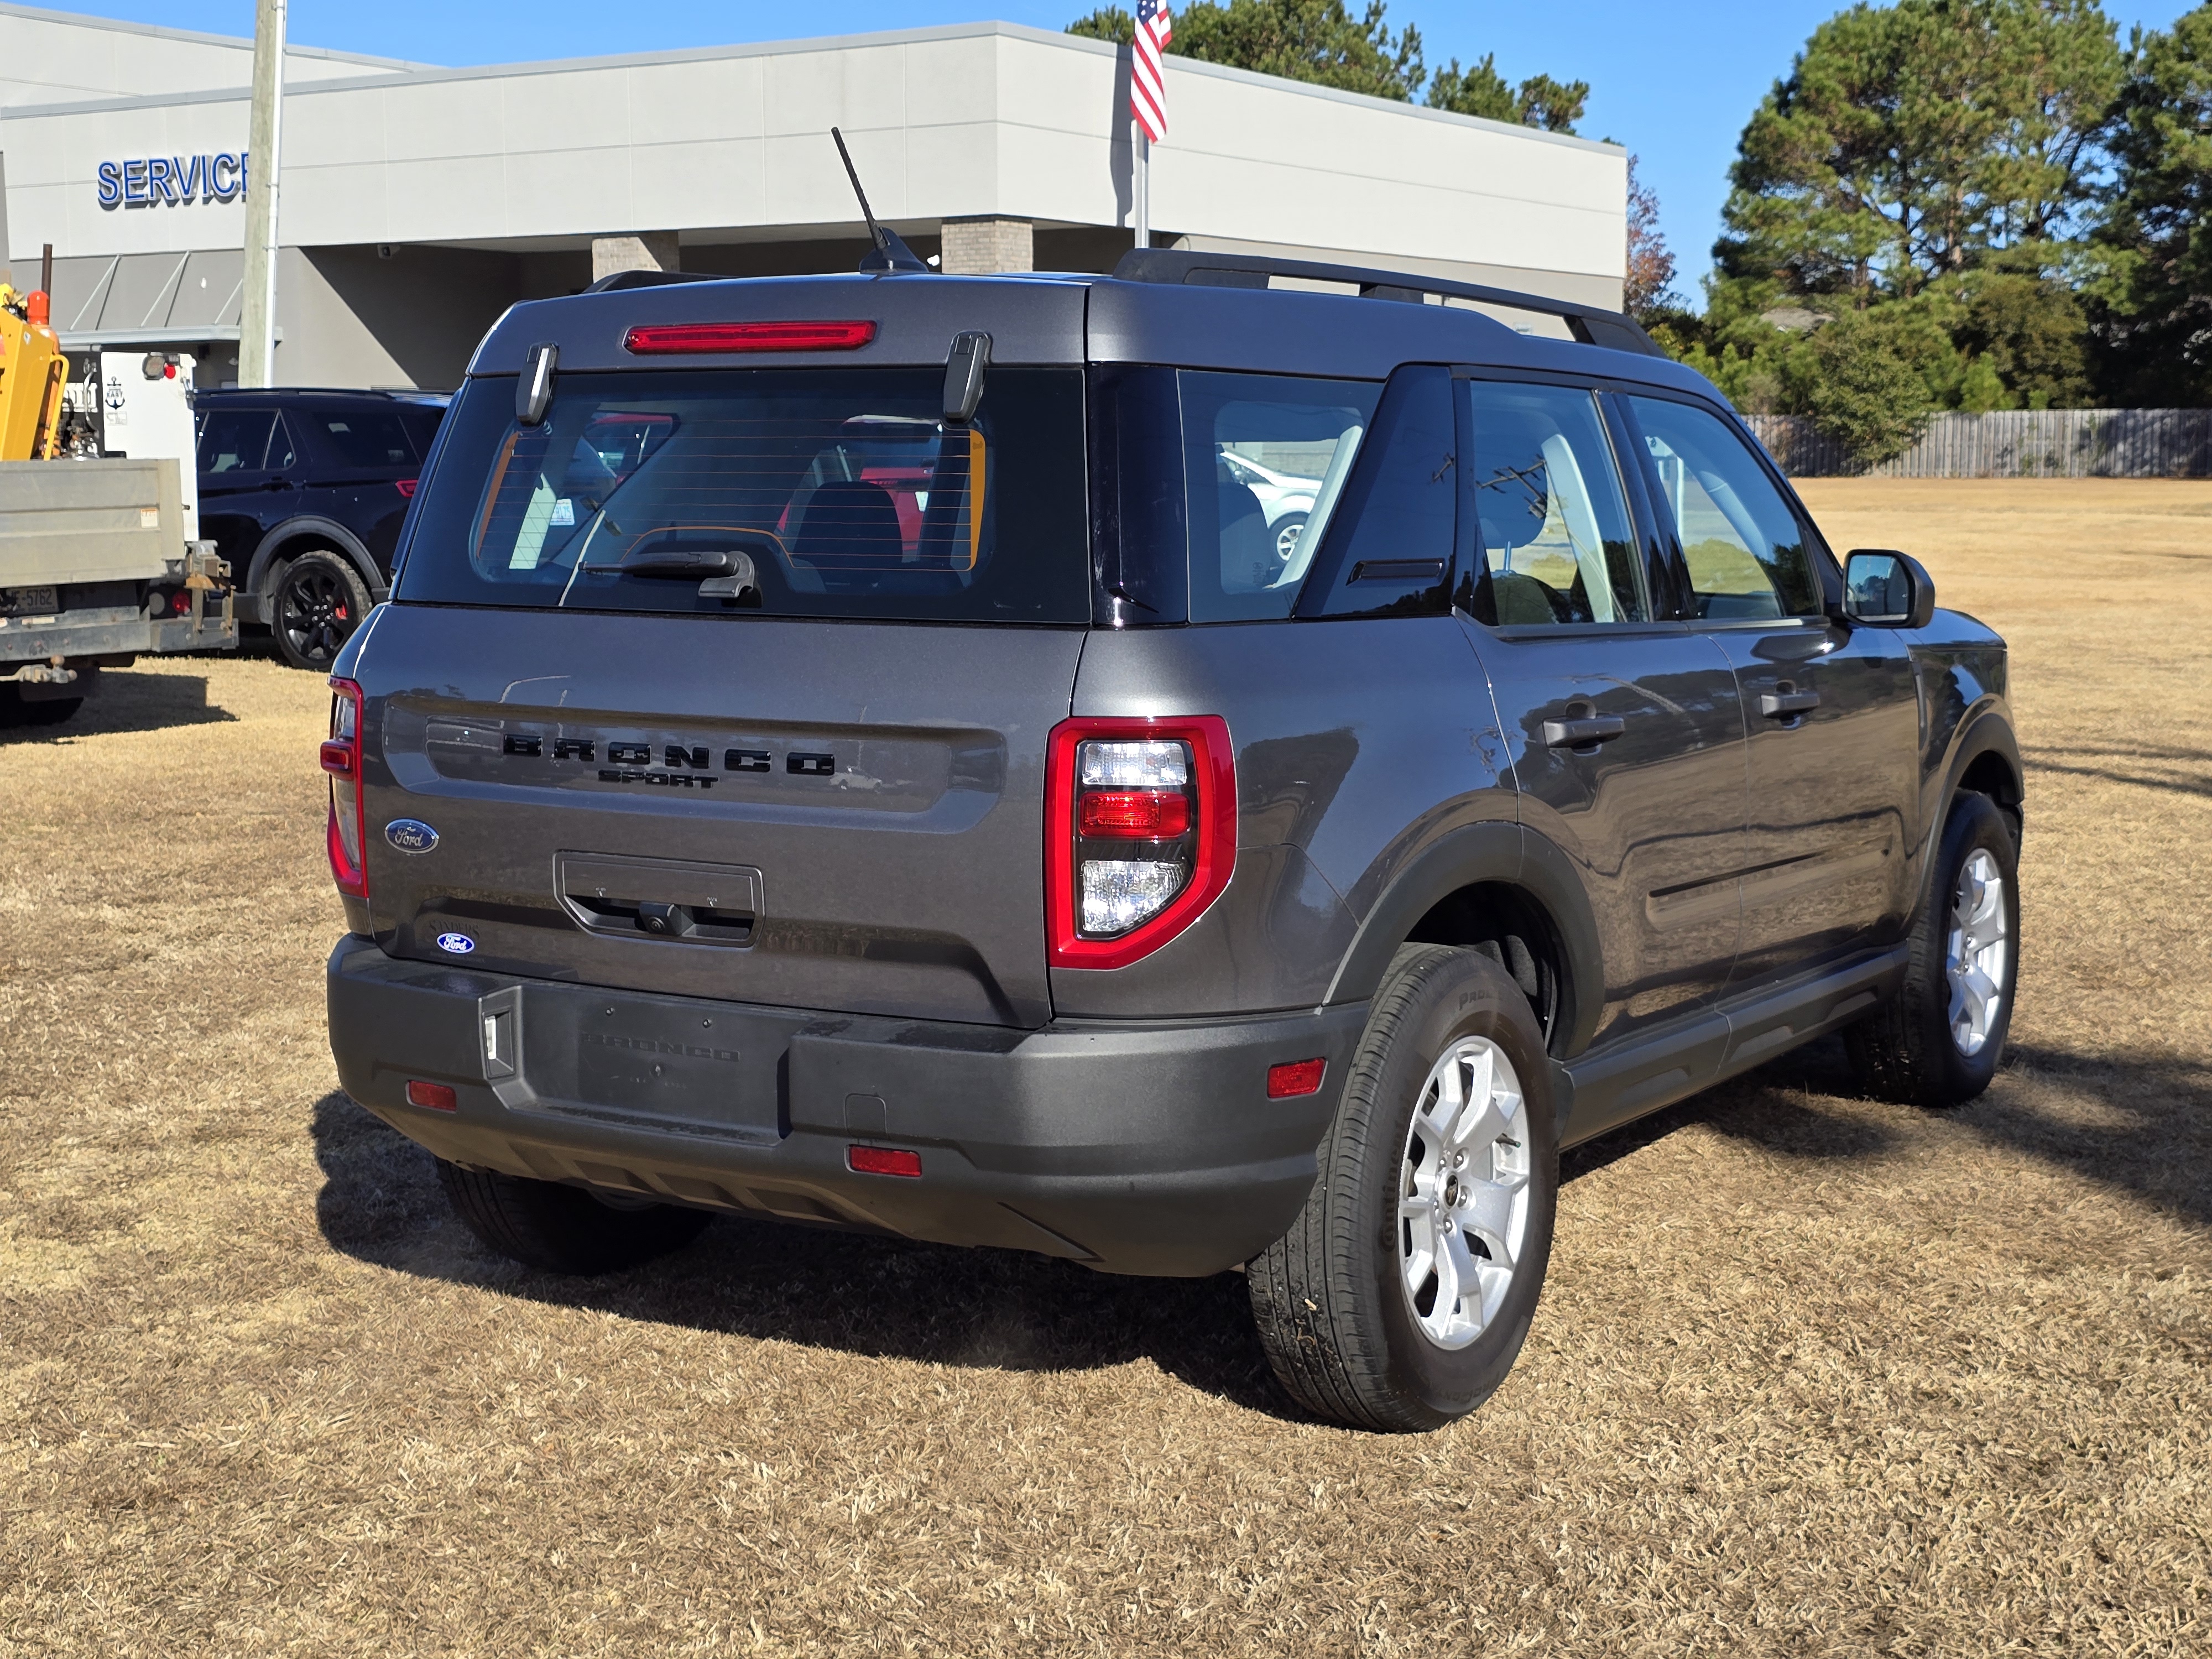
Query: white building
[[417, 202]]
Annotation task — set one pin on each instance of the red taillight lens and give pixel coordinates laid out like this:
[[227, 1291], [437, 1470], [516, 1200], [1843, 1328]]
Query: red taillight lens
[[406, 486], [436, 1096], [1295, 1078], [1132, 814], [1170, 784], [349, 825], [668, 337], [882, 1160]]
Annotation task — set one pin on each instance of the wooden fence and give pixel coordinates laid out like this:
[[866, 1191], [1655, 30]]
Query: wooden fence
[[2055, 443]]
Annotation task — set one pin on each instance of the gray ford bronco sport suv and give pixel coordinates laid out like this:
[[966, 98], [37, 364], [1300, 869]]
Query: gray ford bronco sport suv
[[870, 751]]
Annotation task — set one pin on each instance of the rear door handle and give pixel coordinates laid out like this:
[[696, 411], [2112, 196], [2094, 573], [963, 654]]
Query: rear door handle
[[1576, 734], [1787, 705]]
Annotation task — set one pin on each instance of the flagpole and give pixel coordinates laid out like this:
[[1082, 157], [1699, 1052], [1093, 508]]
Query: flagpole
[[1142, 190]]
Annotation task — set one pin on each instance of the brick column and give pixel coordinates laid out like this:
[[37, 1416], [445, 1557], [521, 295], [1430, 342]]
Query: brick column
[[979, 246], [652, 250]]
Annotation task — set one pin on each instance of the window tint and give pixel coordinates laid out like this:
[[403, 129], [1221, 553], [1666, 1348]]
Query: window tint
[[282, 451], [421, 424], [233, 440], [1265, 458], [1391, 554], [362, 438], [1552, 521], [846, 489], [1746, 552]]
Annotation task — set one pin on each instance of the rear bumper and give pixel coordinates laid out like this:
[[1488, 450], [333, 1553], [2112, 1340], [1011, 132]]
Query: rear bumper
[[1132, 1148]]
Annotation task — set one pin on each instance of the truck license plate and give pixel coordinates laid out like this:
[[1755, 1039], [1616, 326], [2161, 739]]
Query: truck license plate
[[27, 601]]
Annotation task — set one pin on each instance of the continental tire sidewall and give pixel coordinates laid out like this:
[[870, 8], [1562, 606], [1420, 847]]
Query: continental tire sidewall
[[1469, 996]]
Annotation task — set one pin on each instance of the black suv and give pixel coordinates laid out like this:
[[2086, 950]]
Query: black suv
[[872, 751], [304, 492]]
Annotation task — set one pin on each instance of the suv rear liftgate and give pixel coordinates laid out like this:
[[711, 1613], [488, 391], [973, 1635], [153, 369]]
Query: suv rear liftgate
[[697, 773]]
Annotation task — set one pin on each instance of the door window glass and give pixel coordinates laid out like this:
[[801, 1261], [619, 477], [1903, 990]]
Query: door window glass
[[1552, 522], [1745, 550], [233, 440], [371, 438], [1265, 456], [282, 451]]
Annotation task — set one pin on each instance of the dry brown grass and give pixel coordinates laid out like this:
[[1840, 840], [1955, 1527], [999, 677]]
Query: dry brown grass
[[1813, 1375]]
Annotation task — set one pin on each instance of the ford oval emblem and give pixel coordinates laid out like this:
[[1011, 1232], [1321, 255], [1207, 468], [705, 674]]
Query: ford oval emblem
[[410, 835], [456, 945]]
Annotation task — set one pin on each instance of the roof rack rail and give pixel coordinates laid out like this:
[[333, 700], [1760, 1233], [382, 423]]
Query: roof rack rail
[[1591, 325]]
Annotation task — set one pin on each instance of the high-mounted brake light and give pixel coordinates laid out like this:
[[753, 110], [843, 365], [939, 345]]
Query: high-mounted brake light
[[660, 338], [349, 826], [1141, 833]]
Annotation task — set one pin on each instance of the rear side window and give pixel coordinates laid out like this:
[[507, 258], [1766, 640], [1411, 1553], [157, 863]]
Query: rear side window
[[845, 491], [361, 438], [1264, 457], [234, 440]]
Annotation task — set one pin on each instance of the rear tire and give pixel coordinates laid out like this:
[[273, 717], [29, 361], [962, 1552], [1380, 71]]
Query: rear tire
[[1938, 1041], [564, 1230], [319, 600], [1412, 1188]]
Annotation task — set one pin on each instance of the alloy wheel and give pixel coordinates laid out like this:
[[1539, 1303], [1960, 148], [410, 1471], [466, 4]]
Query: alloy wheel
[[1463, 1193], [316, 613], [1975, 952]]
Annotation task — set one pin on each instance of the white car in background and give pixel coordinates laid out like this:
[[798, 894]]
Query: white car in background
[[1285, 499]]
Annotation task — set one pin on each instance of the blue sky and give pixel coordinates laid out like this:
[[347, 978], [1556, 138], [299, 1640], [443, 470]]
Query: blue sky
[[1674, 84]]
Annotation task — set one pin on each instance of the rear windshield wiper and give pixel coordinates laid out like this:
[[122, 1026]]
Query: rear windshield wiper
[[729, 574]]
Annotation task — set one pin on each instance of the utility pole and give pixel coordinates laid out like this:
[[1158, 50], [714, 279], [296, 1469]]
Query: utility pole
[[256, 331]]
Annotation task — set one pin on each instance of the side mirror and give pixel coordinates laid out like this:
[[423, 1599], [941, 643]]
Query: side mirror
[[1887, 590]]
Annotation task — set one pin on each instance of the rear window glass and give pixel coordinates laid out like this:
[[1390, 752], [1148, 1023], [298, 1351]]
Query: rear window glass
[[361, 438], [842, 493]]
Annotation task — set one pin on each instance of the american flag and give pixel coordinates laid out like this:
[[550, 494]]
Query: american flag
[[1148, 93]]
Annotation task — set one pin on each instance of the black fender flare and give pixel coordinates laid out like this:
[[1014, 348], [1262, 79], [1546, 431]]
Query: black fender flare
[[1987, 732], [315, 528], [1514, 856]]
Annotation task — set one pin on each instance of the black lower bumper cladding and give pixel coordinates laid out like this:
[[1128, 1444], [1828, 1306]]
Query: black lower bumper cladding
[[1132, 1148]]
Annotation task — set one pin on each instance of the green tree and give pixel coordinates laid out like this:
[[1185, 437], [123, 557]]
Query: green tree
[[1480, 89], [2154, 300], [1908, 141], [1322, 42], [1864, 379]]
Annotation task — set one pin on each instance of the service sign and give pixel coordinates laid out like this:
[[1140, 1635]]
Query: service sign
[[173, 179]]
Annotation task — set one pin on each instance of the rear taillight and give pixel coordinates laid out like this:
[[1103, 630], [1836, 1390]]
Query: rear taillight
[[349, 829], [406, 486], [1141, 834]]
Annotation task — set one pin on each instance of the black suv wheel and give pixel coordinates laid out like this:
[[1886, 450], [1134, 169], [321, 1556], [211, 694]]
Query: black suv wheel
[[321, 600], [1938, 1041], [1401, 1295]]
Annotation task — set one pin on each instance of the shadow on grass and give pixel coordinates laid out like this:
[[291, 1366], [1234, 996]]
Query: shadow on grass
[[2146, 1131], [859, 1293], [2149, 1132], [129, 702]]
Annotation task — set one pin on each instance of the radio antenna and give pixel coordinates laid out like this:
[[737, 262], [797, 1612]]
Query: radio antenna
[[889, 253]]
